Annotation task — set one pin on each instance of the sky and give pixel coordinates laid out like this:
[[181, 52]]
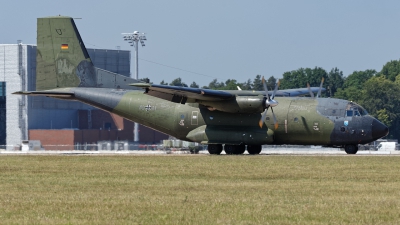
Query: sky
[[225, 39]]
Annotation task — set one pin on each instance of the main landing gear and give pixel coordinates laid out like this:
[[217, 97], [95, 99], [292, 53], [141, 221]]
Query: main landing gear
[[216, 149]]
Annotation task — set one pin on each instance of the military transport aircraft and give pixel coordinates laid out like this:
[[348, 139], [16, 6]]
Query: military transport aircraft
[[230, 119]]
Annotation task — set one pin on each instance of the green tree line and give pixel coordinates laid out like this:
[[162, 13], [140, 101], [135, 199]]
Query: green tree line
[[377, 92]]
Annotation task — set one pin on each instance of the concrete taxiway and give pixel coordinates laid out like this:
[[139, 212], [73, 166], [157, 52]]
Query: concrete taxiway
[[265, 151]]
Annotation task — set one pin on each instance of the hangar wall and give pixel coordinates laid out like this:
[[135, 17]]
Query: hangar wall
[[22, 113]]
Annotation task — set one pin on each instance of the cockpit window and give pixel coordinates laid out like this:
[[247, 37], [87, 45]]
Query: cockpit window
[[362, 111], [349, 113], [353, 109]]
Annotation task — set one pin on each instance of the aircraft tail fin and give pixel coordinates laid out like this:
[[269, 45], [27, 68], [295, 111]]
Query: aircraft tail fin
[[62, 59]]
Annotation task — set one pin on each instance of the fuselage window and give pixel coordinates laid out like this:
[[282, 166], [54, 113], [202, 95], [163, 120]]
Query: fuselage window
[[349, 113]]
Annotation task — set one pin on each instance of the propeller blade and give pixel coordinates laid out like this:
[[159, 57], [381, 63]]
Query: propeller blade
[[309, 90], [320, 88], [276, 88], [264, 115], [275, 120], [265, 88]]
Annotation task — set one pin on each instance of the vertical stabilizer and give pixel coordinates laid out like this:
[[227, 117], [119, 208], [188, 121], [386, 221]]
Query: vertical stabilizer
[[62, 59]]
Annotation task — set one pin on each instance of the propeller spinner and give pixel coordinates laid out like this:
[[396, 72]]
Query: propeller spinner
[[269, 102]]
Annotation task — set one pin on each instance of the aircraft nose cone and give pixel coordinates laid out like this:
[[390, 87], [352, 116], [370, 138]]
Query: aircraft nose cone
[[379, 129]]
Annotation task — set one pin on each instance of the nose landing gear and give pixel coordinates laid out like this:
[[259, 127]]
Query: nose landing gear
[[351, 149]]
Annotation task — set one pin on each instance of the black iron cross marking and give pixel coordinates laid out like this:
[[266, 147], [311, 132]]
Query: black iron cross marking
[[148, 107]]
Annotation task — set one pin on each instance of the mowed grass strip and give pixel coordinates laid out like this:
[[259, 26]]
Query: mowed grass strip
[[199, 189]]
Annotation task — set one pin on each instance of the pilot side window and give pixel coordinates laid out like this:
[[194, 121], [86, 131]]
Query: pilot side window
[[356, 113], [349, 113]]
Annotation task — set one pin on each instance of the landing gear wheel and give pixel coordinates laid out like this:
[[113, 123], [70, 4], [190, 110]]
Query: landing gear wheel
[[351, 149], [229, 149], [235, 149], [254, 149], [215, 149], [240, 149]]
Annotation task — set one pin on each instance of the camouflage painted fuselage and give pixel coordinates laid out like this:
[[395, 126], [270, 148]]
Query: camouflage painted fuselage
[[304, 121]]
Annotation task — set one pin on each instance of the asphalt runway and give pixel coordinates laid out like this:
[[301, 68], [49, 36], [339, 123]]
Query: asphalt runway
[[265, 151]]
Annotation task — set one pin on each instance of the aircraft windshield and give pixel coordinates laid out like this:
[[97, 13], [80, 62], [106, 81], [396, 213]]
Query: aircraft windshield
[[356, 110], [362, 111]]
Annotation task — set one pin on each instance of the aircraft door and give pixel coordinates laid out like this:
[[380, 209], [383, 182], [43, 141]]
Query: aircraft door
[[303, 125]]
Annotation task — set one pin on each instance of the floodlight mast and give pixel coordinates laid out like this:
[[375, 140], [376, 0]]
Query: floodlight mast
[[133, 39]]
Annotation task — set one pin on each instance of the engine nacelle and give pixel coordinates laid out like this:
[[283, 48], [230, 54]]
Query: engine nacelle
[[241, 104]]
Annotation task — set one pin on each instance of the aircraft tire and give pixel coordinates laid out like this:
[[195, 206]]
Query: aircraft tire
[[254, 149], [229, 149], [351, 149], [239, 149], [214, 149], [235, 149]]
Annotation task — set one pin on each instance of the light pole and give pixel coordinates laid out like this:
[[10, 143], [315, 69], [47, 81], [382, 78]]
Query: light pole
[[133, 39]]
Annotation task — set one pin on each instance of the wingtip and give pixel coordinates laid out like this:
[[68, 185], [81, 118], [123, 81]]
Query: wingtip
[[140, 85]]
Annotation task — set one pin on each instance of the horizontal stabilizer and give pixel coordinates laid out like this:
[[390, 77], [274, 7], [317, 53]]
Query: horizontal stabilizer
[[55, 94]]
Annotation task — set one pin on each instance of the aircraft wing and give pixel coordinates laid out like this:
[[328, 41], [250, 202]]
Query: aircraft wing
[[296, 91], [181, 94]]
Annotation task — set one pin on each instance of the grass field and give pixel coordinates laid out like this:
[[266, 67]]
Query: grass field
[[199, 189]]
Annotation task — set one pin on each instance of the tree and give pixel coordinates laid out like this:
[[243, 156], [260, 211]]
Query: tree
[[194, 85], [246, 85], [271, 82], [215, 85], [257, 83], [230, 85], [381, 97], [391, 69], [299, 78], [358, 78], [178, 82], [353, 86], [334, 81], [352, 93], [163, 83]]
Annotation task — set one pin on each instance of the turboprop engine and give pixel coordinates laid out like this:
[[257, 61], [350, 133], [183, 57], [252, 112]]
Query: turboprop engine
[[241, 104]]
